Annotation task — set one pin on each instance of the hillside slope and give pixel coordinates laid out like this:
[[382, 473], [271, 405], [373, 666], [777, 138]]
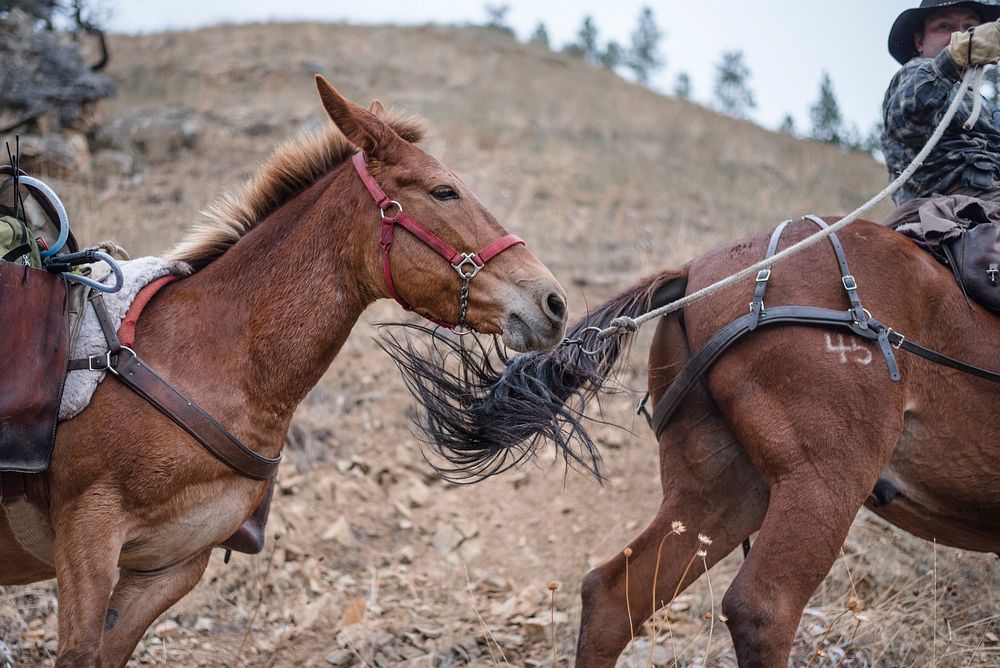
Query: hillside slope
[[372, 561]]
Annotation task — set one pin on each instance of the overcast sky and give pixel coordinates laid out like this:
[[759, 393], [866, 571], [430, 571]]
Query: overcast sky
[[787, 45]]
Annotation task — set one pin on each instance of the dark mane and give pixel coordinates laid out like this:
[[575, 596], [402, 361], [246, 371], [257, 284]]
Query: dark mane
[[291, 168]]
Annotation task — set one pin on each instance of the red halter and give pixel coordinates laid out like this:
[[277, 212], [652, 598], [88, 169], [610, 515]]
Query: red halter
[[466, 264]]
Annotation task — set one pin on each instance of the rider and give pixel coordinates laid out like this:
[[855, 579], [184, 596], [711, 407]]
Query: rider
[[935, 43]]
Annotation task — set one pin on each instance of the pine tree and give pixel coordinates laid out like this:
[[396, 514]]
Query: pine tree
[[540, 36], [612, 55], [787, 125], [586, 42], [732, 89], [497, 18], [827, 122], [644, 56], [682, 86]]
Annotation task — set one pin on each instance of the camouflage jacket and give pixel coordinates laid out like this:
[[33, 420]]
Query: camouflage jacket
[[916, 100]]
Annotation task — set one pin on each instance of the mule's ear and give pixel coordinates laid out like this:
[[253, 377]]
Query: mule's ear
[[361, 127], [378, 109]]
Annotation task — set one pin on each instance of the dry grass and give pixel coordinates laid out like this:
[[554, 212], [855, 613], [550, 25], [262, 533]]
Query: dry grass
[[606, 182]]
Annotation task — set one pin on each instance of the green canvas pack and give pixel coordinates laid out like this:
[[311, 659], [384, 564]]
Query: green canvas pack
[[17, 244]]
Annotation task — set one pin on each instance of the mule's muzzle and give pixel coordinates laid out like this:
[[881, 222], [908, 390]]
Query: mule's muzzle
[[537, 325]]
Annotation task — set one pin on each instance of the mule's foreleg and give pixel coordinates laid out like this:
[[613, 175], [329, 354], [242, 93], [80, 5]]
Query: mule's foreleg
[[88, 540], [139, 598], [712, 489]]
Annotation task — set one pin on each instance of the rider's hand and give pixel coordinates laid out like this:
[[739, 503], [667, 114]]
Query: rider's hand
[[977, 46]]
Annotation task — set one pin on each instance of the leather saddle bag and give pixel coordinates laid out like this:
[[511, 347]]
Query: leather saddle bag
[[33, 356], [975, 259]]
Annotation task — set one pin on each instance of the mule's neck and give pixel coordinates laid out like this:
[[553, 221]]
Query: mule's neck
[[295, 285]]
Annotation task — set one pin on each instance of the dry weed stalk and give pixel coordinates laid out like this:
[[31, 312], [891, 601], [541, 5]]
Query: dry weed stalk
[[628, 606], [676, 528], [482, 622], [260, 603], [934, 606], [553, 586], [855, 605], [706, 541]]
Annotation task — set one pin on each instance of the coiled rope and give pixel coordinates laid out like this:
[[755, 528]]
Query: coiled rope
[[624, 324]]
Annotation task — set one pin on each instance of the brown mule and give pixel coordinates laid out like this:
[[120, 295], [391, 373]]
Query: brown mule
[[788, 434], [281, 275]]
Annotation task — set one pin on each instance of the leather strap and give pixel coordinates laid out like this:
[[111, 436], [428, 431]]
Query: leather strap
[[846, 278], [201, 426], [129, 369], [458, 260], [698, 363], [897, 340], [764, 275]]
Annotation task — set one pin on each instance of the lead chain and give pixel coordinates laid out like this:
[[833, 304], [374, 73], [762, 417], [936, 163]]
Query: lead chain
[[463, 306]]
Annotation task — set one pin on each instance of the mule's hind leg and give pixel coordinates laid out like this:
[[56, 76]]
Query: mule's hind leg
[[139, 598], [821, 462], [712, 488], [801, 536]]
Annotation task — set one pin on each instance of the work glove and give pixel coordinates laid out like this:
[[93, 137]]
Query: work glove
[[977, 46]]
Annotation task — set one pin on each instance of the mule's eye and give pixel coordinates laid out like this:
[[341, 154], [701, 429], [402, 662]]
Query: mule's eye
[[443, 193]]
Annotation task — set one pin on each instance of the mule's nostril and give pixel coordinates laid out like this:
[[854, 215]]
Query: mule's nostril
[[556, 307]]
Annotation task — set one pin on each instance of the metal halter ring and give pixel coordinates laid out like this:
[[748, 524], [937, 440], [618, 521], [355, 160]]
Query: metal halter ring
[[578, 341], [392, 203], [468, 258]]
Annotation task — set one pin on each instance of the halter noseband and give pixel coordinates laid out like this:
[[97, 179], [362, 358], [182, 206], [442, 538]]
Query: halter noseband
[[466, 264]]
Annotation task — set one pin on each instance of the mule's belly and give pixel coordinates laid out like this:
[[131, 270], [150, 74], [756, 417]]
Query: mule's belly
[[163, 543], [16, 565], [946, 471]]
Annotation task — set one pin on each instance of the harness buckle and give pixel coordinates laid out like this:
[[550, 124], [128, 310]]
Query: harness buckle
[[889, 333], [764, 275], [104, 359], [849, 283], [470, 259]]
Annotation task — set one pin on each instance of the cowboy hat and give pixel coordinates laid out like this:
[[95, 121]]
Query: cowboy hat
[[911, 22]]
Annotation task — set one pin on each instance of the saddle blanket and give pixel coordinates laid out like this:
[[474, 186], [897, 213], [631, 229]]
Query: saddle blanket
[[81, 383]]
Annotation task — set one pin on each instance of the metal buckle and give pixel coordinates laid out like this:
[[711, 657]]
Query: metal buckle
[[763, 275], [888, 335], [468, 258], [849, 283], [388, 206], [106, 357]]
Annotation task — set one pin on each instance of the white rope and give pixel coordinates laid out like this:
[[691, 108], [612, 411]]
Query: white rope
[[627, 324], [977, 103]]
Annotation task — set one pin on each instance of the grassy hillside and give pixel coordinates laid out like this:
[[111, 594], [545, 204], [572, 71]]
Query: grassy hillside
[[372, 561]]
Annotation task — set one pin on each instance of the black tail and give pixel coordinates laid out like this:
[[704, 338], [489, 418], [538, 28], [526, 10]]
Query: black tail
[[484, 412]]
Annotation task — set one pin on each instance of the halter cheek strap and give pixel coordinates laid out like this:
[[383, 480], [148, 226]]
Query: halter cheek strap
[[467, 265]]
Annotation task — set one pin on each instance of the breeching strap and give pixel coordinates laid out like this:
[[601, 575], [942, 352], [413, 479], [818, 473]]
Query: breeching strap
[[625, 324], [466, 264]]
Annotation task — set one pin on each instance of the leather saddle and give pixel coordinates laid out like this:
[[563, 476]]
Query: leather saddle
[[974, 257], [35, 350]]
